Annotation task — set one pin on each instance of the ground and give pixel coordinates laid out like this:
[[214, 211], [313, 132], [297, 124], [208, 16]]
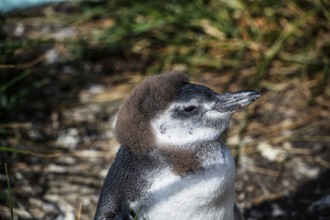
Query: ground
[[56, 130]]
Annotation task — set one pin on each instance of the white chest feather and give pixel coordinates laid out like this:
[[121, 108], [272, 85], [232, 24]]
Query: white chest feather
[[206, 194]]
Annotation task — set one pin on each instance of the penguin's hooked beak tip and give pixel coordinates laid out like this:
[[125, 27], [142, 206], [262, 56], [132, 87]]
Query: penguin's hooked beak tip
[[230, 102]]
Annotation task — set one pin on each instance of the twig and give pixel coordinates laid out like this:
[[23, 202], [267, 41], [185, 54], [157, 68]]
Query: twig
[[16, 125], [17, 151], [270, 197], [23, 65], [309, 138], [324, 163], [264, 171], [79, 212]]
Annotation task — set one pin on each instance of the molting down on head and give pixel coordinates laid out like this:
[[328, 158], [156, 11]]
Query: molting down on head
[[147, 100], [166, 110]]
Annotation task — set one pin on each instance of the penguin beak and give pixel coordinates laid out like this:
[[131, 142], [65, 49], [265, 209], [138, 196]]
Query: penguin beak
[[230, 102]]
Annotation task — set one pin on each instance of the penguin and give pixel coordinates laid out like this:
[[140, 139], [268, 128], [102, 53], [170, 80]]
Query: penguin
[[172, 163]]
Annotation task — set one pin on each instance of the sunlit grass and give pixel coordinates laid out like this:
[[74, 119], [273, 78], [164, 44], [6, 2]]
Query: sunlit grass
[[201, 35]]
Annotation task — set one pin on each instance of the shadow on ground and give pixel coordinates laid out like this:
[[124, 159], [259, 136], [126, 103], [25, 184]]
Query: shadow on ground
[[311, 201]]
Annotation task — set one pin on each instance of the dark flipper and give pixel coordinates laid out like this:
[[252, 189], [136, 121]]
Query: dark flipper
[[126, 181]]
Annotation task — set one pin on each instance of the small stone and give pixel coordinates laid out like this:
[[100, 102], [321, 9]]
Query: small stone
[[271, 153], [277, 211], [320, 205], [52, 56], [69, 138]]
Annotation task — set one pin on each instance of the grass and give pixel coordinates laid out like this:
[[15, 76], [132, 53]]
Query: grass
[[137, 213], [203, 35], [10, 197]]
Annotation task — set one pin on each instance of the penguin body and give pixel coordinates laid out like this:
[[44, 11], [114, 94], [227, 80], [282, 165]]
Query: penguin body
[[193, 196], [172, 163]]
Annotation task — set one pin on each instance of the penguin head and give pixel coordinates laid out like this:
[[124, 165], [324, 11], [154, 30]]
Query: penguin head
[[198, 114], [167, 111]]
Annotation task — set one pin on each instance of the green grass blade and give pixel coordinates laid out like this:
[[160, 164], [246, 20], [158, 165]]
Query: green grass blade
[[14, 80], [10, 198], [12, 150], [137, 214]]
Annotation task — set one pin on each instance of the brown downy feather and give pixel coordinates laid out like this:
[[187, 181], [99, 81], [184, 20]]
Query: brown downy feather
[[147, 100], [183, 161]]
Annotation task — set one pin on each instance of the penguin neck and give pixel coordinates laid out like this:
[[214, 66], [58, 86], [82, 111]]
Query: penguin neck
[[188, 159]]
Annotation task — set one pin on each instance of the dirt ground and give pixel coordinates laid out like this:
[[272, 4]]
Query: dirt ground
[[58, 142]]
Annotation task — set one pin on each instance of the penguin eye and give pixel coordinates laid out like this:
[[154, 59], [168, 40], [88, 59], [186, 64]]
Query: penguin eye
[[189, 108]]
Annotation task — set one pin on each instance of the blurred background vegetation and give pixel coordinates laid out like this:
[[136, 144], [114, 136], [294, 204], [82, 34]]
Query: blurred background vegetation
[[266, 39], [57, 57]]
